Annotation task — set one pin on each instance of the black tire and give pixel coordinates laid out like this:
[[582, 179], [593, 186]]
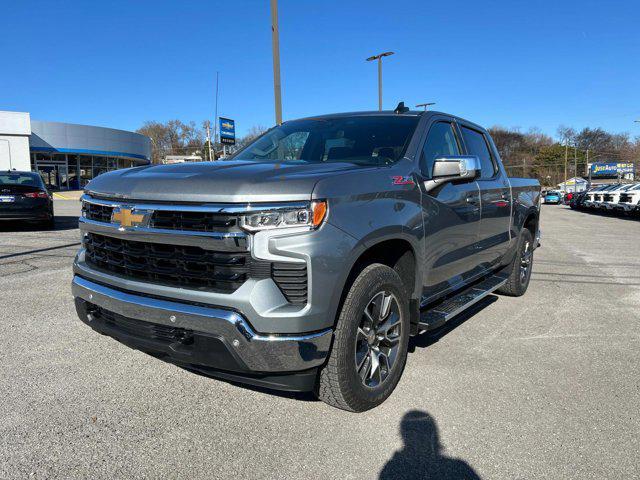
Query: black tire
[[49, 223], [340, 383], [518, 282]]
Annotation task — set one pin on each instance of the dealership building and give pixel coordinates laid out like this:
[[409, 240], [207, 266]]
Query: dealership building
[[67, 155]]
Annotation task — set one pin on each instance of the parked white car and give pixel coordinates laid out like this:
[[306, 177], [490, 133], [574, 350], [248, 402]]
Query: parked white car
[[611, 198], [629, 200], [596, 196]]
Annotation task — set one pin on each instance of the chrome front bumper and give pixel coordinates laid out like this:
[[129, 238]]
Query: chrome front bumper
[[255, 352]]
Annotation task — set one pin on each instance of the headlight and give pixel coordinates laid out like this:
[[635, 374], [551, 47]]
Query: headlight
[[310, 216]]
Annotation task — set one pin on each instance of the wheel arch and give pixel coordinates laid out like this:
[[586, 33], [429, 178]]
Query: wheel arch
[[531, 222], [398, 251]]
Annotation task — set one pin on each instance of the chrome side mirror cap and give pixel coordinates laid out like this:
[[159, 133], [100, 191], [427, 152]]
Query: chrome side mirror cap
[[460, 167], [453, 168]]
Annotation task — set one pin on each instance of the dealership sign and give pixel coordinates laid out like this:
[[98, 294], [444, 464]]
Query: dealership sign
[[611, 169], [227, 131]]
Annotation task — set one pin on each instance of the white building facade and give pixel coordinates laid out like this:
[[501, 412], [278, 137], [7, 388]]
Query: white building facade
[[15, 130], [67, 155]]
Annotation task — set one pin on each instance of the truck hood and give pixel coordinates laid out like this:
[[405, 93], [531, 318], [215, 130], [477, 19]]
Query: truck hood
[[231, 181]]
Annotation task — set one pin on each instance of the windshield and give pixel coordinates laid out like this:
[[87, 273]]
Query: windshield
[[26, 179], [366, 140]]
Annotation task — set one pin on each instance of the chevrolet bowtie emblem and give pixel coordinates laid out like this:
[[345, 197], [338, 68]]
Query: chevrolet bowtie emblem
[[127, 217]]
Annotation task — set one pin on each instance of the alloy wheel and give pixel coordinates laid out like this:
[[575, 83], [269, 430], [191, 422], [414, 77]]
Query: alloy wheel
[[378, 339], [525, 261]]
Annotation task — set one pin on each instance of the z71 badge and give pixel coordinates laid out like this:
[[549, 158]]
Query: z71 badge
[[400, 180]]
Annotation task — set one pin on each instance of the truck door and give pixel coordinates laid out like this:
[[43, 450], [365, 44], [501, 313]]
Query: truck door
[[495, 199], [451, 215]]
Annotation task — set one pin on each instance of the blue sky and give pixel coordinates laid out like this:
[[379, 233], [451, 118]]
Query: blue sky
[[509, 63]]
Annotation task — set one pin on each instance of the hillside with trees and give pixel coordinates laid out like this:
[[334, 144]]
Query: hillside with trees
[[534, 154]]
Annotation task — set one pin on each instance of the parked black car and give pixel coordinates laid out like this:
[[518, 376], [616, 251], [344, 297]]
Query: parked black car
[[576, 202], [24, 197]]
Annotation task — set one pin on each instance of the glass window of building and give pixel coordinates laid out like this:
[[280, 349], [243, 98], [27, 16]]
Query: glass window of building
[[99, 165], [73, 172]]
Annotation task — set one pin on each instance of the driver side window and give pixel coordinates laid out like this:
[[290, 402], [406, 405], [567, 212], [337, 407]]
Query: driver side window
[[441, 141]]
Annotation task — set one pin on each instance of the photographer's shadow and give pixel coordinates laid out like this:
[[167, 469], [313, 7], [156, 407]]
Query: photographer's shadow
[[422, 455]]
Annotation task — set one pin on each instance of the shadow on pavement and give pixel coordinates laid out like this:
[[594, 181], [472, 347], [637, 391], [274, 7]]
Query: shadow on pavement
[[422, 455], [62, 222], [431, 337]]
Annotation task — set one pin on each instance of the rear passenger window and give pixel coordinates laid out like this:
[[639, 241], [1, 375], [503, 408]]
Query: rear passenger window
[[441, 142], [477, 145]]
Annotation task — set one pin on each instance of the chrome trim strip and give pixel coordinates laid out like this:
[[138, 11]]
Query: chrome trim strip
[[265, 353], [142, 301], [205, 207], [221, 241]]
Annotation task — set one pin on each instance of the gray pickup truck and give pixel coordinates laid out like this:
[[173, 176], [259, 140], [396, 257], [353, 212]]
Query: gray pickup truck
[[307, 260]]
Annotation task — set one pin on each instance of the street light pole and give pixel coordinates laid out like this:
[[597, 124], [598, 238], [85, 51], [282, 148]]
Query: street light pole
[[379, 59], [215, 116], [275, 44]]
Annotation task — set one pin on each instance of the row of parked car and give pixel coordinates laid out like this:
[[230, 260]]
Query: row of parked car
[[620, 198]]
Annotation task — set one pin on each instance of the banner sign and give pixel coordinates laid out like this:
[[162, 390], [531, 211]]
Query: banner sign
[[227, 131], [611, 169]]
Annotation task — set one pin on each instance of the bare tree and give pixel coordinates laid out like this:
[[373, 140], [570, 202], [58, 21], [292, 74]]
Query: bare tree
[[253, 133], [172, 137], [566, 134]]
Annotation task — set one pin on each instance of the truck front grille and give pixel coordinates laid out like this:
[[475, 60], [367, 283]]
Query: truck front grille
[[291, 278], [193, 221], [608, 198], [625, 198], [173, 265], [97, 213], [171, 220]]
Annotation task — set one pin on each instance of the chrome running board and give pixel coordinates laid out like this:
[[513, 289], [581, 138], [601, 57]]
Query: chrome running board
[[437, 315]]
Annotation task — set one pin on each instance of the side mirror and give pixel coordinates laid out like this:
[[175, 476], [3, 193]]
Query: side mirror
[[463, 167], [450, 169]]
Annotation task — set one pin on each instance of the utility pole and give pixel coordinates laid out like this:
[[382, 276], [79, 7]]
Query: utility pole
[[575, 166], [587, 163], [209, 139], [275, 44], [566, 156], [379, 58], [215, 120]]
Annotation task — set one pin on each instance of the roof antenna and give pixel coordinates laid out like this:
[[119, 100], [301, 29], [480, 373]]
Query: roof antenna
[[401, 108], [425, 105]]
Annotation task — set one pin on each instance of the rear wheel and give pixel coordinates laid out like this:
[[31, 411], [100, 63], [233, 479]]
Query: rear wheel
[[49, 223], [370, 342], [520, 269]]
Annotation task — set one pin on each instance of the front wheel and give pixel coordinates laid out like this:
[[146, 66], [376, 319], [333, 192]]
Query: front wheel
[[370, 342], [520, 269]]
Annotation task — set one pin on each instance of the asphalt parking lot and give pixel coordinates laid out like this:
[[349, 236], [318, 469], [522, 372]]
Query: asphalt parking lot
[[542, 386]]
